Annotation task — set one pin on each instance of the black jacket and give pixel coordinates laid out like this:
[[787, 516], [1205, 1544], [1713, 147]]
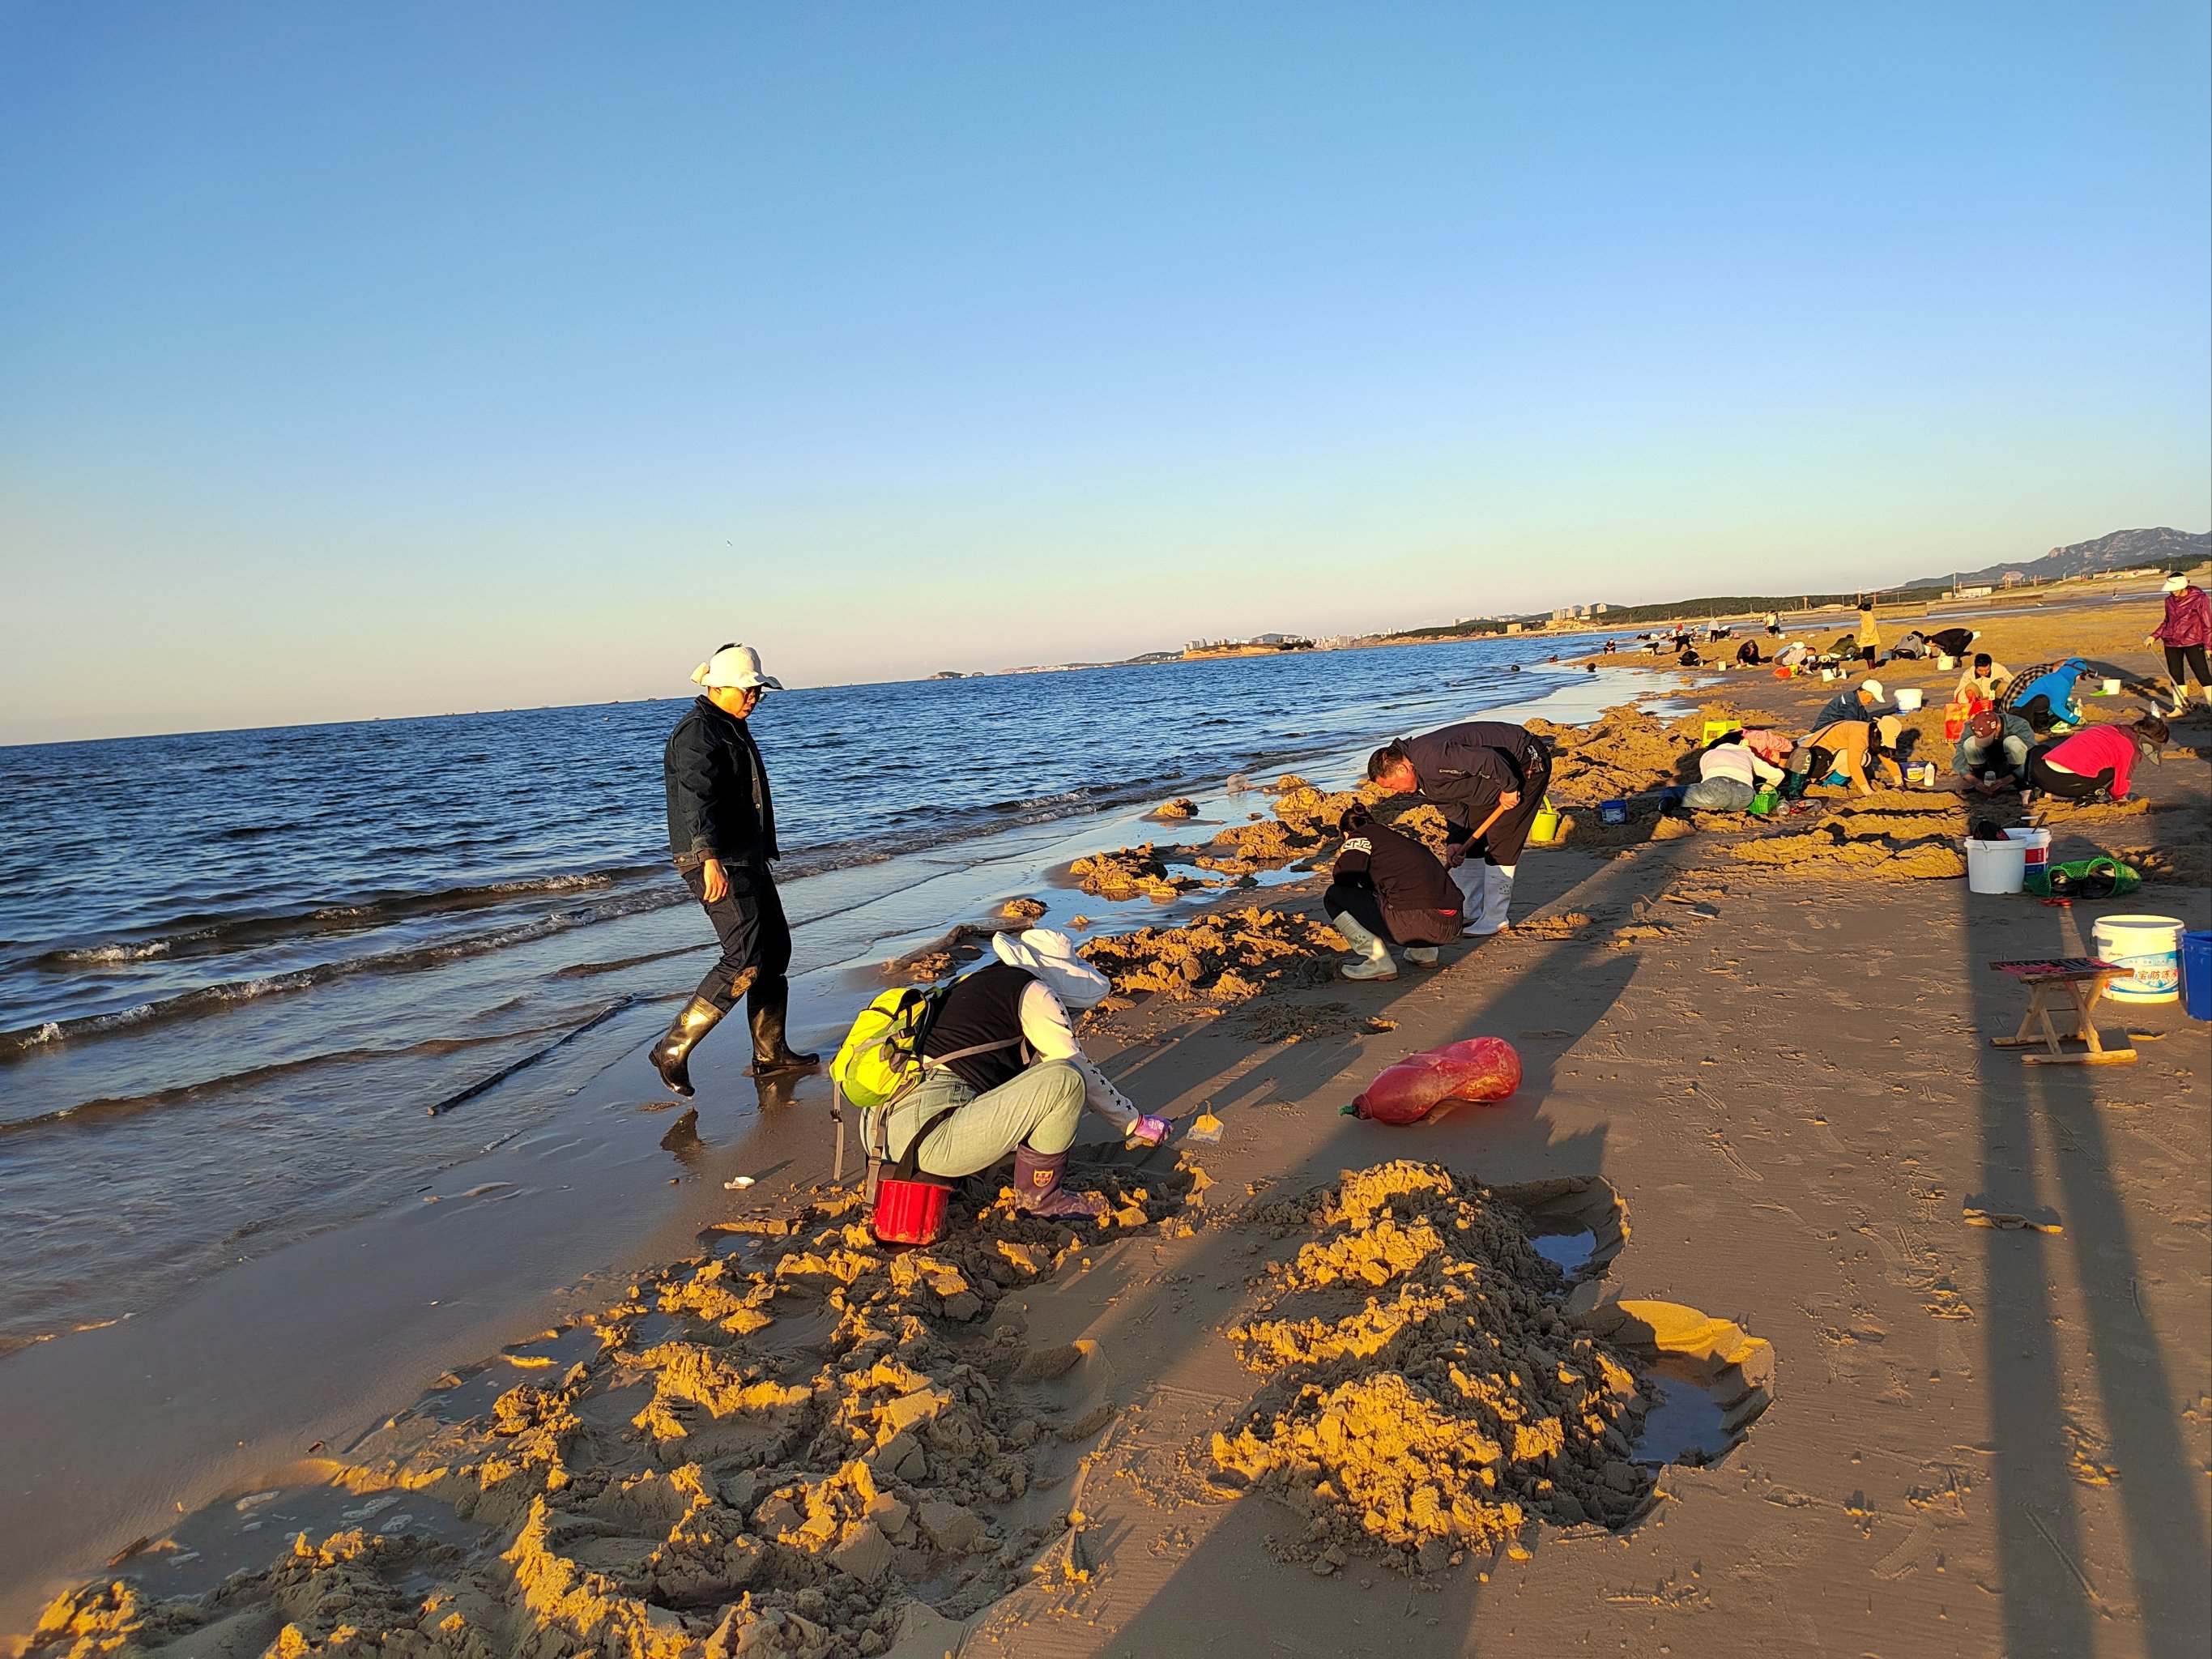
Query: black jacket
[[1404, 873], [1464, 768], [718, 806]]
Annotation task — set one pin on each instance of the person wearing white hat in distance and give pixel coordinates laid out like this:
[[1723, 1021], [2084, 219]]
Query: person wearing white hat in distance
[[2184, 632], [1003, 1072], [721, 835]]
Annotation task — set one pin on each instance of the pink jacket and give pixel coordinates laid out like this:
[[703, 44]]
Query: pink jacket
[[2093, 749], [2188, 619]]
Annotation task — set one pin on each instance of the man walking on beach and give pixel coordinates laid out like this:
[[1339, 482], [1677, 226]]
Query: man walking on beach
[[721, 832], [1488, 778]]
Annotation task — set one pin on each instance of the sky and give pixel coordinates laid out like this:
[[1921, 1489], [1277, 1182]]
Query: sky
[[400, 358]]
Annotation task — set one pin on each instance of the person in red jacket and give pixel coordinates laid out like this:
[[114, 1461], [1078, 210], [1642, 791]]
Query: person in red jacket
[[2186, 632], [2096, 758]]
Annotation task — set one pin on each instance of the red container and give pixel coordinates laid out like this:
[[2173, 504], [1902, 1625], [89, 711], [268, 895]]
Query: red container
[[909, 1211]]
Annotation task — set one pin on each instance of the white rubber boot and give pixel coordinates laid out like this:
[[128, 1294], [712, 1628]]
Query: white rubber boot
[[1421, 956], [1468, 879], [1375, 962], [1497, 899]]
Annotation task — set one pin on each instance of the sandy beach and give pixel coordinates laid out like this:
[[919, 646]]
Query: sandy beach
[[1776, 1311]]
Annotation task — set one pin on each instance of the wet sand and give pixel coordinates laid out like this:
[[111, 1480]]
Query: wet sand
[[1980, 1439]]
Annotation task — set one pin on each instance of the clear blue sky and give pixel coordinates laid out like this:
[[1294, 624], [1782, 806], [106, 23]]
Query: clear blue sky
[[393, 358]]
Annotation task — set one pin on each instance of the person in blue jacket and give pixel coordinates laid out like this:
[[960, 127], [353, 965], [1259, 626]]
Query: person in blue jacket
[[2043, 695]]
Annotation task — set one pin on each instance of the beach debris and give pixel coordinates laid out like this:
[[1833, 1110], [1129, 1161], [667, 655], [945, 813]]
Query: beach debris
[[737, 1183], [1481, 1069], [786, 1451], [2037, 1221], [1228, 956], [1426, 1395]]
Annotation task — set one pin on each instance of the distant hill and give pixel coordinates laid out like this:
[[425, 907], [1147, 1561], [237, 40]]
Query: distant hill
[[2117, 551]]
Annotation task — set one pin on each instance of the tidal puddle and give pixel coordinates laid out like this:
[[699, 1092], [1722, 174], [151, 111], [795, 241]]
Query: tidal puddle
[[1686, 1423], [1569, 1252], [247, 1534]]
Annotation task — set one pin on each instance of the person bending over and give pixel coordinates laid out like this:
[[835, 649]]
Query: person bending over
[[2043, 695], [1953, 642], [2185, 633], [1488, 778], [1852, 749], [1992, 751], [1747, 654], [1388, 889], [2096, 760], [1859, 702], [1002, 1073], [1729, 773]]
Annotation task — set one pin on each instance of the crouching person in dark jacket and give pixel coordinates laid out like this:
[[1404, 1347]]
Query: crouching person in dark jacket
[[721, 832], [1388, 889]]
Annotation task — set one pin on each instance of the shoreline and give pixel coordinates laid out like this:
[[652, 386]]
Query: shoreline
[[584, 1193], [1715, 1039]]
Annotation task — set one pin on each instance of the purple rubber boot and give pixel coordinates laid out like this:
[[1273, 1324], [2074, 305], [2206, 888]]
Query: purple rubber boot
[[1037, 1190]]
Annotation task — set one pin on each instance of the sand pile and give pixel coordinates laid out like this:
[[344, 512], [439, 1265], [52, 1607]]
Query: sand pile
[[1229, 957], [1892, 834], [1426, 1395], [1128, 872], [771, 1452], [1625, 751]]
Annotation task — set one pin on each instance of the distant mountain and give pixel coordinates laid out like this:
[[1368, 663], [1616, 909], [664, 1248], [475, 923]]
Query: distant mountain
[[2116, 551]]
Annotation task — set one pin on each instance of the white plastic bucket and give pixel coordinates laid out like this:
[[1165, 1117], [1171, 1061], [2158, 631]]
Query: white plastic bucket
[[2038, 843], [2112, 688], [1908, 700], [1944, 664], [2149, 948], [1996, 866]]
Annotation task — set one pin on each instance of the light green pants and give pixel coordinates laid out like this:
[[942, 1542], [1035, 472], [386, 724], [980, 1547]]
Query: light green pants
[[1040, 1108]]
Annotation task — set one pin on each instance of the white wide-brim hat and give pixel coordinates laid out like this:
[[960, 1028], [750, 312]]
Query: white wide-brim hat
[[734, 665], [1050, 955], [2175, 584]]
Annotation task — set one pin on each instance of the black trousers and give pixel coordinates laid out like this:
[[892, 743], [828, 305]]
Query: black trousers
[[1509, 834], [1400, 927], [2188, 656], [2067, 786], [756, 940]]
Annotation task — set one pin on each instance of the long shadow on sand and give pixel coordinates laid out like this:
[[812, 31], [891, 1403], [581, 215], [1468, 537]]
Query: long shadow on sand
[[2051, 1601]]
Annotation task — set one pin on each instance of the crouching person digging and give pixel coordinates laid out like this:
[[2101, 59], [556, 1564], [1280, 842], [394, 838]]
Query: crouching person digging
[[1388, 889], [1001, 1072]]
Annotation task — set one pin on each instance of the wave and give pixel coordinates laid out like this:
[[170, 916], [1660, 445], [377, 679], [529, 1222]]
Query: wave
[[198, 935], [214, 999], [109, 1108]]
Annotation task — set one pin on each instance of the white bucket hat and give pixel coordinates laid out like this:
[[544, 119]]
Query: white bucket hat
[[1050, 955], [734, 665], [2175, 584]]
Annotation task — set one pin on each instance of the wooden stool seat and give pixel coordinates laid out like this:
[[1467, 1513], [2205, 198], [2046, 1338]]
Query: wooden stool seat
[[2082, 981]]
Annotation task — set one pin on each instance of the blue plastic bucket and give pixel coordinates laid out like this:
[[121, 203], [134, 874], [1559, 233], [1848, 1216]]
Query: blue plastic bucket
[[2196, 973], [1613, 811]]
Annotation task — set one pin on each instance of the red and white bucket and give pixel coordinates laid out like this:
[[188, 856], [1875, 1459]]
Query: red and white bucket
[[2038, 855]]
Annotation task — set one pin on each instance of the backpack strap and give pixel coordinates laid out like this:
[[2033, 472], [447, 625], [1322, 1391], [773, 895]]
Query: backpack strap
[[907, 1168]]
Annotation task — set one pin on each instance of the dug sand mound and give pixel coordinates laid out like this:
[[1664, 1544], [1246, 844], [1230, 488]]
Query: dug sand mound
[[1426, 1395], [1227, 958], [1128, 872], [1624, 752], [776, 1452]]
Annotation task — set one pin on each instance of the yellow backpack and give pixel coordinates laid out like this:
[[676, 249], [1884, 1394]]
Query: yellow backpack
[[880, 1058]]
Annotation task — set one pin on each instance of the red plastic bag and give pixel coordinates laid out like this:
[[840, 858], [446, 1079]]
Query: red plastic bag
[[1481, 1069]]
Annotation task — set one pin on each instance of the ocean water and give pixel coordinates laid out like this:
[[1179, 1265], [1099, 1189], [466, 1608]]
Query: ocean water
[[238, 970]]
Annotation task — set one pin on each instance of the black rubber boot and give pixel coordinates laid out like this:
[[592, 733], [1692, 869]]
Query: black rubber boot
[[672, 1053], [772, 1051]]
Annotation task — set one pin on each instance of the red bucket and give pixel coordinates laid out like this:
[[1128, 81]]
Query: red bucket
[[909, 1211]]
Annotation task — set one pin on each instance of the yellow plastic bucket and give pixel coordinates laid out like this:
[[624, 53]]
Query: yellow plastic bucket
[[1716, 728], [1544, 829]]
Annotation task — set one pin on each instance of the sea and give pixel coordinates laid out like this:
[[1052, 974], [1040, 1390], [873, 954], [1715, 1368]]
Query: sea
[[256, 984]]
